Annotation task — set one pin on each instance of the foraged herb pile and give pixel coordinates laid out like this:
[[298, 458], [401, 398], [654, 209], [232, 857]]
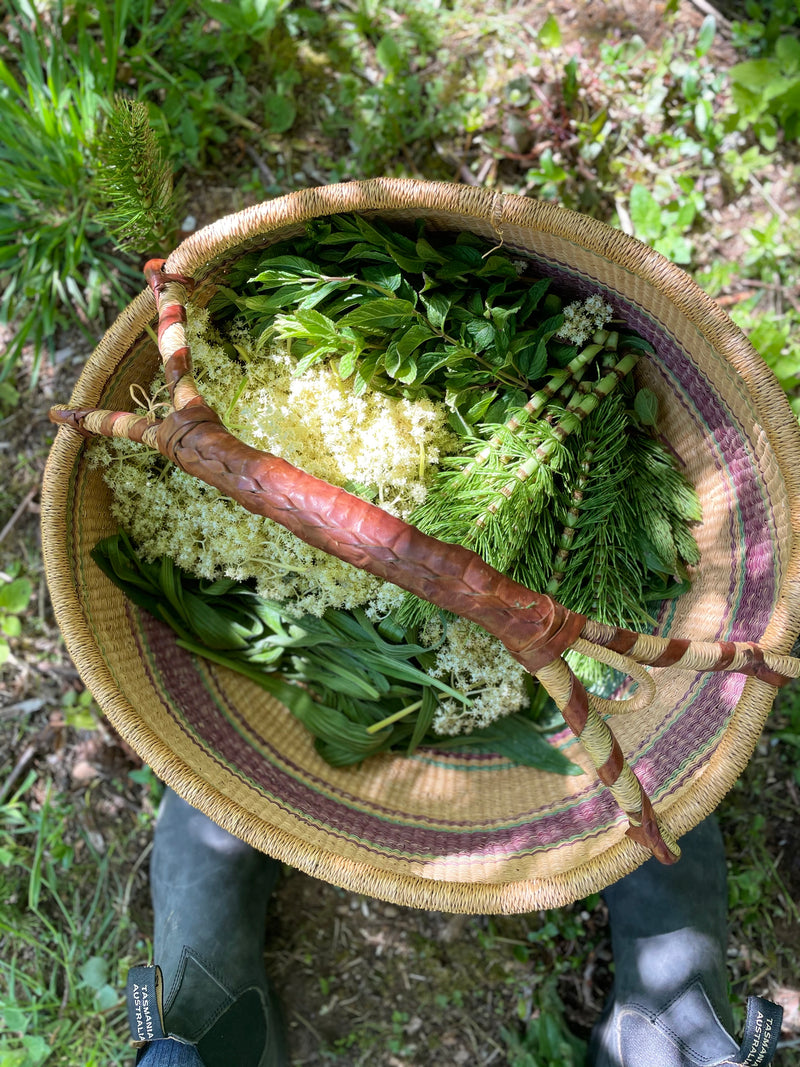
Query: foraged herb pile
[[441, 380]]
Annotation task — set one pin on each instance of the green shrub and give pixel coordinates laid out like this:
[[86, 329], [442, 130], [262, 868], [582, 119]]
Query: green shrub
[[766, 92]]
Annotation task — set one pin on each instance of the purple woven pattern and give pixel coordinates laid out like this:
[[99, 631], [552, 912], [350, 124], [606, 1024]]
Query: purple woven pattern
[[217, 727], [679, 741]]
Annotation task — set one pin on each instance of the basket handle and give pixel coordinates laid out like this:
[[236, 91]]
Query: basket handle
[[534, 628]]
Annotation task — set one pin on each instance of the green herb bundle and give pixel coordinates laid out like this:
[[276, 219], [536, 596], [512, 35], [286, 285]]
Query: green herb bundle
[[352, 684], [556, 478]]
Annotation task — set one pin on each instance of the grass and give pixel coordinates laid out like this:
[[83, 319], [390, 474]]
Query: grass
[[258, 97], [758, 820], [56, 262], [64, 916]]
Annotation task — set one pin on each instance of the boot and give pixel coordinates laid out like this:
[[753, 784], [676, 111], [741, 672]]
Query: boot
[[208, 987], [669, 1005]]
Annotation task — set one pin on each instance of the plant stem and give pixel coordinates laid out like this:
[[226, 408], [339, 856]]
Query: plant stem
[[568, 424], [351, 279], [536, 404], [571, 522], [390, 720]]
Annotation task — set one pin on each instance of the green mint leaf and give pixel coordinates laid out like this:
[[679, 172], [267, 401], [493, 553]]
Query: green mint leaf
[[464, 262], [482, 336], [347, 364], [430, 361], [380, 315], [362, 253], [645, 405], [497, 267], [426, 251], [287, 269], [309, 323], [412, 338], [384, 274], [317, 294], [365, 371], [403, 368], [533, 297], [437, 305]]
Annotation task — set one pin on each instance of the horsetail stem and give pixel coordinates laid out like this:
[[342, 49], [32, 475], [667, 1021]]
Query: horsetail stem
[[575, 416], [568, 424], [570, 523], [574, 370]]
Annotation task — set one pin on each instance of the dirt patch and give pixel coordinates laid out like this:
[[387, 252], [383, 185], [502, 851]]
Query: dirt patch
[[352, 970]]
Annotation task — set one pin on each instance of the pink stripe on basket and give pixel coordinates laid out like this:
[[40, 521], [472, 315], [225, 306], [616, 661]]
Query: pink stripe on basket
[[194, 708]]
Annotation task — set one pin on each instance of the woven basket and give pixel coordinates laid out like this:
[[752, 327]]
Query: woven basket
[[454, 832]]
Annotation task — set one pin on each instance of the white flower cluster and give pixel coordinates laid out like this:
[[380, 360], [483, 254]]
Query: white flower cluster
[[584, 318], [315, 422], [480, 667]]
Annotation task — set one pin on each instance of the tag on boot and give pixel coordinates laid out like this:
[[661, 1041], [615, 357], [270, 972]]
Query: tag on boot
[[145, 1009], [762, 1029]]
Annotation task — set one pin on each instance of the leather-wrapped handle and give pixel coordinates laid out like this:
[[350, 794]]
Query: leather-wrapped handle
[[534, 627]]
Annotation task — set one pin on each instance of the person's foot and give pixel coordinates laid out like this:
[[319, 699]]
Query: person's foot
[[210, 893], [669, 1006]]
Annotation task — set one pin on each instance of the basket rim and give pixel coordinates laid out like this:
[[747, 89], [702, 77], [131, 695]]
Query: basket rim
[[215, 244]]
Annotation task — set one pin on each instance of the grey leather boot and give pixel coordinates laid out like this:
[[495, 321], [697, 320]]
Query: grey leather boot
[[669, 1006], [208, 987]]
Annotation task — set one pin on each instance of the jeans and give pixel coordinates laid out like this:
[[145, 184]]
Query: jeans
[[168, 1053]]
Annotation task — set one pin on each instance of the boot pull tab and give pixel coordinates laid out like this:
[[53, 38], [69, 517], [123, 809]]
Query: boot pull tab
[[144, 996], [762, 1030]]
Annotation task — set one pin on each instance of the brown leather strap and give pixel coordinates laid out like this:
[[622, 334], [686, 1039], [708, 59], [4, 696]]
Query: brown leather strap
[[157, 279], [534, 627]]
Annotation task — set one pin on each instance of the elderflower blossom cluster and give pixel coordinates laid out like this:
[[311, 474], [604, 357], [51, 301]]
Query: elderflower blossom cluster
[[584, 318], [314, 422], [478, 665]]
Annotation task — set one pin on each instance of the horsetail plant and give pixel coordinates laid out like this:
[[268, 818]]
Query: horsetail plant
[[135, 181], [573, 516], [573, 372], [574, 415]]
